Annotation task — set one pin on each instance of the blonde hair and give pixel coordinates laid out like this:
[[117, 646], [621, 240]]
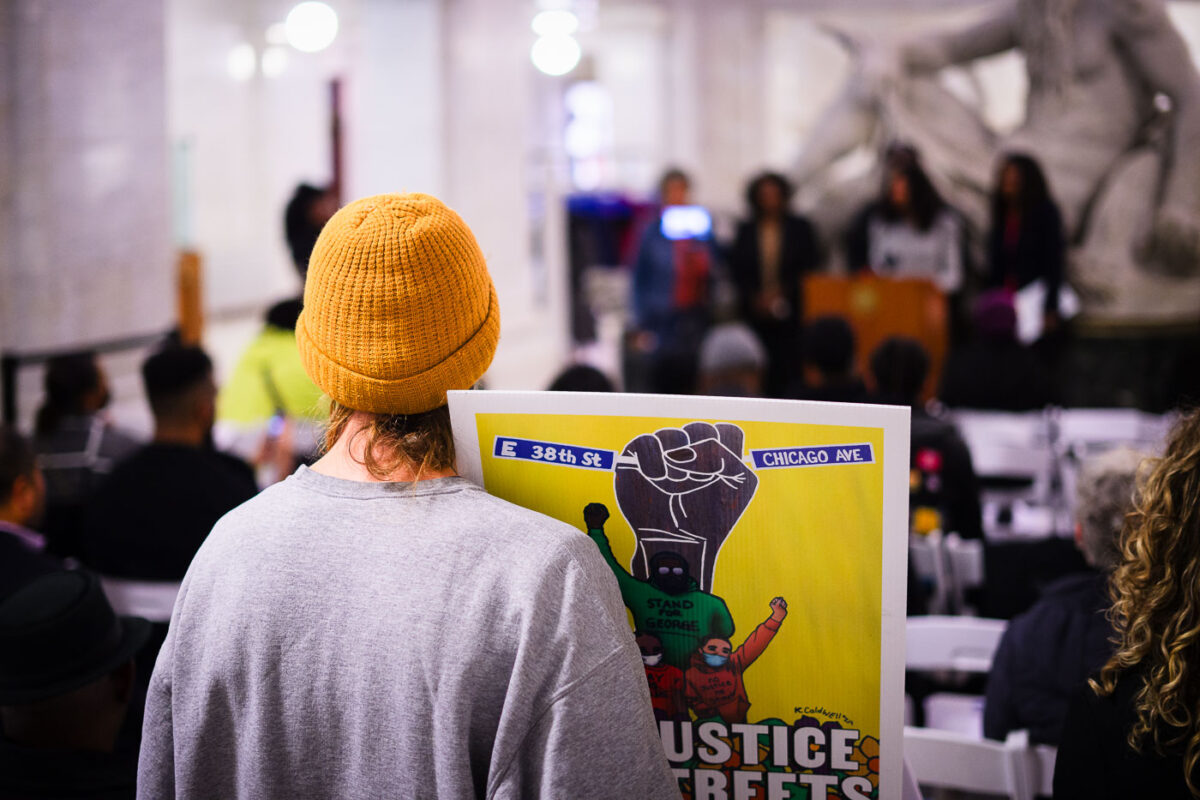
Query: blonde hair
[[1156, 603], [423, 441]]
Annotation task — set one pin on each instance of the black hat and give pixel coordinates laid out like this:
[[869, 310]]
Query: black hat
[[59, 633]]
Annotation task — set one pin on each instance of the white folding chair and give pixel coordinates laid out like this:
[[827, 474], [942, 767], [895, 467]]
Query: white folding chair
[[928, 562], [952, 761], [1108, 426], [909, 790], [964, 569], [958, 644], [1044, 756], [959, 713], [152, 600], [942, 643], [1008, 447]]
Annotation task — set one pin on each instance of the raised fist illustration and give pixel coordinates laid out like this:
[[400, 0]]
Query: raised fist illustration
[[682, 490]]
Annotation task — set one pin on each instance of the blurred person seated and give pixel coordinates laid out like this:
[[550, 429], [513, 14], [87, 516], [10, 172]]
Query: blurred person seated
[[75, 445], [309, 208], [581, 378], [673, 289], [154, 511], [23, 555], [733, 362], [829, 354], [270, 412], [943, 488], [771, 253], [1134, 730], [1049, 651], [66, 680], [995, 371], [1026, 243]]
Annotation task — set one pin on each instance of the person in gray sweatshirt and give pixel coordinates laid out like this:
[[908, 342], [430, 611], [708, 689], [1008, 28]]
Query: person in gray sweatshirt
[[375, 626]]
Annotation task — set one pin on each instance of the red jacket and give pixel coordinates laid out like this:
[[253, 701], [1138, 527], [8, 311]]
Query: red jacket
[[719, 691], [666, 689]]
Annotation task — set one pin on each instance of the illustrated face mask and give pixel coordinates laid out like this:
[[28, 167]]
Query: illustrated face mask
[[652, 661], [714, 660]]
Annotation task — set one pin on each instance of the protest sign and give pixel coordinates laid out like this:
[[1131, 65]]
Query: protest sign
[[760, 547]]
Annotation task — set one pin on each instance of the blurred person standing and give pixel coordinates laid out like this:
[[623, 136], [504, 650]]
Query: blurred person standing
[[1134, 730], [75, 445], [1048, 652], [66, 680], [22, 499], [375, 625], [309, 208], [912, 233], [673, 288], [1026, 242], [771, 253], [148, 518]]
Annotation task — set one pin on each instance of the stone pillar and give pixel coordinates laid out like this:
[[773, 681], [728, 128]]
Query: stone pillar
[[85, 241], [396, 100], [499, 183]]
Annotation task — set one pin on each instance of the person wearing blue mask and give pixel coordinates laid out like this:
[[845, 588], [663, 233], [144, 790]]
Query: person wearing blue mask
[[715, 688]]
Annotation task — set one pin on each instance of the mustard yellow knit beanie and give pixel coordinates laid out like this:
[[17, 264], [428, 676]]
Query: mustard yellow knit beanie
[[398, 306]]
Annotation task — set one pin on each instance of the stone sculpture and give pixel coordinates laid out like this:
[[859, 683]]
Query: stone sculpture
[[1112, 113]]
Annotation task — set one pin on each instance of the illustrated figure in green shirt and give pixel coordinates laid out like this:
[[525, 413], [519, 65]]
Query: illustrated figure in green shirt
[[669, 604]]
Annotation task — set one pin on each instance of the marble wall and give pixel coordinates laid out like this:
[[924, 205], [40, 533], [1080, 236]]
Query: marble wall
[[85, 247]]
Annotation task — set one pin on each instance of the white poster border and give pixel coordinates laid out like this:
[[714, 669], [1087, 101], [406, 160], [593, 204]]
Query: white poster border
[[895, 422]]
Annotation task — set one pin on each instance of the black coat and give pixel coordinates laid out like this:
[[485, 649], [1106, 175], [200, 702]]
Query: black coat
[[798, 254], [945, 477], [20, 563], [152, 513], [1046, 654], [1095, 762], [1039, 252]]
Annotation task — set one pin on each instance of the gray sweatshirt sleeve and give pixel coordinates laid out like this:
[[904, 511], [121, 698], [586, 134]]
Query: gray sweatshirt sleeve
[[595, 734], [156, 764], [595, 740]]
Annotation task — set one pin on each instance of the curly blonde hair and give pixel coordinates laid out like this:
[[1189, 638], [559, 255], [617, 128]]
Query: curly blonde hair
[[1156, 602]]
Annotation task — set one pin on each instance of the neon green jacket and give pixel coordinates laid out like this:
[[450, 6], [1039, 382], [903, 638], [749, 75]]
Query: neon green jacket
[[269, 377]]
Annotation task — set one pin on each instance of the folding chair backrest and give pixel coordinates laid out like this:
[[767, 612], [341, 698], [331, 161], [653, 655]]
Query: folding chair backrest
[[1044, 756], [966, 644], [954, 761], [1084, 426], [927, 559], [964, 568], [152, 600]]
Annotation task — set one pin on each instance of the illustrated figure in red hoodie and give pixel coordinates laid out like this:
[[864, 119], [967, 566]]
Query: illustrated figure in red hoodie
[[714, 675], [666, 681]]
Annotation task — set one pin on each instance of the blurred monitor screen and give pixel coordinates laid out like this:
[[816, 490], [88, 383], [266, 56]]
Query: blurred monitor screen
[[686, 222]]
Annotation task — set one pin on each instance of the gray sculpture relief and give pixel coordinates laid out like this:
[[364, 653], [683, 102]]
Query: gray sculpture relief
[[1112, 113]]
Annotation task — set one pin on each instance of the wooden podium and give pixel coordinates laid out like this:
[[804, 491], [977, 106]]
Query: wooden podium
[[877, 308]]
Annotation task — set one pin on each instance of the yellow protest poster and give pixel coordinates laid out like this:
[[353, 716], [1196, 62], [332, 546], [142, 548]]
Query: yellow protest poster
[[760, 547]]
